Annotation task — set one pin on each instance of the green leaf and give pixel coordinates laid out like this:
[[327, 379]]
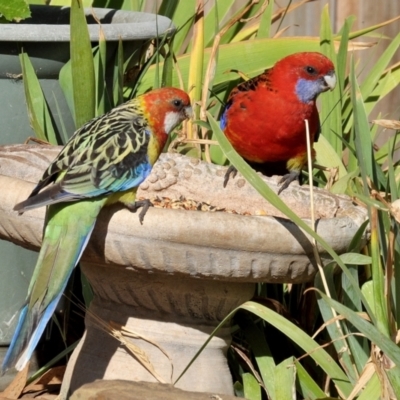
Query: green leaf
[[168, 67], [364, 150], [390, 349], [342, 184], [64, 133], [238, 388], [252, 390], [14, 10], [262, 354], [306, 385], [235, 29], [377, 71], [253, 60], [365, 31], [369, 330], [310, 346], [38, 112], [183, 19], [331, 113], [168, 8], [82, 67], [285, 379], [100, 64], [65, 80], [220, 11], [369, 85], [394, 378], [328, 157], [342, 54], [335, 330], [264, 29], [355, 259], [372, 390], [119, 75]]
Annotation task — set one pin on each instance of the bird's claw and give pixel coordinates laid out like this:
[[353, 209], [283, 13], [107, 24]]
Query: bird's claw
[[287, 179], [230, 171], [144, 204]]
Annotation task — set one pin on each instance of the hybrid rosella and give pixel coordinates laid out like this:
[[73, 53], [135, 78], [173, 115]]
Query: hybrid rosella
[[103, 163]]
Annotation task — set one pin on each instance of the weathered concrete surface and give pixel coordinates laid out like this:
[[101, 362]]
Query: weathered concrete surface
[[125, 390]]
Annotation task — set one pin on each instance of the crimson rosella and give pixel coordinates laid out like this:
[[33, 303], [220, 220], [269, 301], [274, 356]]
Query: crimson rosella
[[264, 116], [103, 163]]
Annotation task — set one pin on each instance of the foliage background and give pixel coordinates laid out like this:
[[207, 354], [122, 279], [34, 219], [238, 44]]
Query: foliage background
[[358, 304]]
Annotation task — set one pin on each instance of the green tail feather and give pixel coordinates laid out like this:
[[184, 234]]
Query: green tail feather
[[68, 229]]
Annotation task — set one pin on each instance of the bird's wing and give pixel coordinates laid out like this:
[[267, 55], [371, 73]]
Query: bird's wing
[[106, 155], [250, 84]]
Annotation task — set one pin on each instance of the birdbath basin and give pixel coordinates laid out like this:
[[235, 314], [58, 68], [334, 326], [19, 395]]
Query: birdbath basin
[[174, 278]]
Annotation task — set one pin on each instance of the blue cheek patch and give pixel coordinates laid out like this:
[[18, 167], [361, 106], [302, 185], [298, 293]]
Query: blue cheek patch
[[307, 90], [223, 121]]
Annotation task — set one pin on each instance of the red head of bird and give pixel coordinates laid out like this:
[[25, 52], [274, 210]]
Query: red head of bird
[[165, 108]]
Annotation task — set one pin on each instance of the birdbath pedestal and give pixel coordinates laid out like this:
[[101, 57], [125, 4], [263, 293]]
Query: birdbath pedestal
[[170, 281]]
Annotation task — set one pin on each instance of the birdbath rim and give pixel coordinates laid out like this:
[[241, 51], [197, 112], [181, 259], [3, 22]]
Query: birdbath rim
[[209, 245]]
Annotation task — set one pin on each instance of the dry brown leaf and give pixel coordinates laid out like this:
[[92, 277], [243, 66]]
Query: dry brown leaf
[[365, 377], [52, 377], [15, 388], [120, 332], [281, 32], [395, 210], [387, 123], [363, 315], [382, 363], [249, 363]]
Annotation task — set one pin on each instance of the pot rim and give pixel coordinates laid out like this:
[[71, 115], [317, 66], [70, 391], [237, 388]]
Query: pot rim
[[116, 24]]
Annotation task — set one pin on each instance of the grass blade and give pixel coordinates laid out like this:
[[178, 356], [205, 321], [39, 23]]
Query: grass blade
[[331, 102], [82, 68], [252, 390], [38, 112], [285, 379], [305, 342], [306, 385]]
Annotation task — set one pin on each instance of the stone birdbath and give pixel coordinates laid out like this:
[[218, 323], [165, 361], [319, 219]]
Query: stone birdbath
[[174, 278]]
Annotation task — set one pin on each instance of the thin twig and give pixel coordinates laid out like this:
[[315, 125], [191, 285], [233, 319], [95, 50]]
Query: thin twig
[[312, 212], [315, 247]]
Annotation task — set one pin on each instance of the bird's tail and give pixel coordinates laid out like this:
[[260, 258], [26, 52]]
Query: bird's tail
[[69, 227]]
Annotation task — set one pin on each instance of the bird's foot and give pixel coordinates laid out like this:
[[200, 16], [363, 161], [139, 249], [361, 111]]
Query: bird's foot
[[287, 179], [144, 204], [230, 171]]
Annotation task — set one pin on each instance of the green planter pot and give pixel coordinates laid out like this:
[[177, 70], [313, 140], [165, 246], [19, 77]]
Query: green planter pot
[[45, 38]]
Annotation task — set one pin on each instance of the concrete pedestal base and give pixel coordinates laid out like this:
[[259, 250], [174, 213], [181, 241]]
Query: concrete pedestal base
[[173, 312]]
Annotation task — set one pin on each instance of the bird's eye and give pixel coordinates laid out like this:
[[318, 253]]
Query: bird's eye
[[310, 70], [177, 103]]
